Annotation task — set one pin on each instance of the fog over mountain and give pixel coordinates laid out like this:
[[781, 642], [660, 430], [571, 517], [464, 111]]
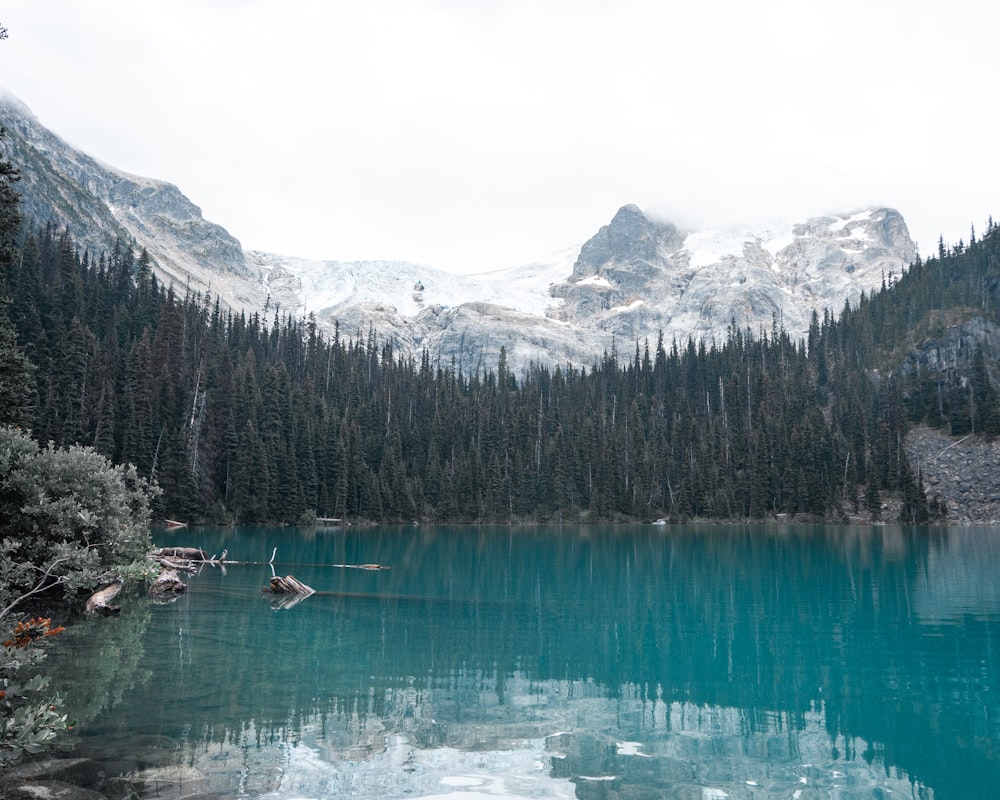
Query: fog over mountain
[[633, 280]]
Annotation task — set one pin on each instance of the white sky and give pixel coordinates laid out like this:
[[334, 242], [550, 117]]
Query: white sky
[[480, 134]]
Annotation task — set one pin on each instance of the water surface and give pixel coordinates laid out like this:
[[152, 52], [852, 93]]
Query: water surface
[[591, 662]]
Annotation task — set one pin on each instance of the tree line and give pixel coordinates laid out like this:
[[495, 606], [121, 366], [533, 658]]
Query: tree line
[[241, 418]]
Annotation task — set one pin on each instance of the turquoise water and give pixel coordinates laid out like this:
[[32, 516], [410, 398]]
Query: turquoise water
[[592, 662]]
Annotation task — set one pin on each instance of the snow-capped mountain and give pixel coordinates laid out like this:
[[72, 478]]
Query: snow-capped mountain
[[638, 275], [635, 278]]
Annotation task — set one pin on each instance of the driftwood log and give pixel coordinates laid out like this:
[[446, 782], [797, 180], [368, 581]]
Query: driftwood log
[[100, 601], [178, 565]]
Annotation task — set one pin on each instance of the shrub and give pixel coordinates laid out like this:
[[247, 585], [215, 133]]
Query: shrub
[[29, 719], [71, 518]]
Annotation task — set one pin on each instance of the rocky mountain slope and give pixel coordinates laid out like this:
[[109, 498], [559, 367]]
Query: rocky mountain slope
[[635, 278], [960, 470], [99, 205]]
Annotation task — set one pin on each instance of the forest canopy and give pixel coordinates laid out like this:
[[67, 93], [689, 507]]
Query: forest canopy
[[240, 418]]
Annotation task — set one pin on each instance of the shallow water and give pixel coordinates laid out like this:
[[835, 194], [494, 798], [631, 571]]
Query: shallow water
[[592, 662]]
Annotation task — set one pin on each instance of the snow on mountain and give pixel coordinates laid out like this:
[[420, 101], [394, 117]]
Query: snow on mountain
[[638, 276], [325, 288], [705, 248], [635, 278]]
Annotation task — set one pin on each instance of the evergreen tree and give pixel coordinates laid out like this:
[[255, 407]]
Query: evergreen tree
[[17, 377], [986, 413]]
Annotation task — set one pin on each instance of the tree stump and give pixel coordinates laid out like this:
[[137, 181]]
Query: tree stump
[[168, 583], [288, 585]]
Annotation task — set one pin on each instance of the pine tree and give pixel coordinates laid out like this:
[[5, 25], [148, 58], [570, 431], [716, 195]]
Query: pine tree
[[986, 413], [17, 377]]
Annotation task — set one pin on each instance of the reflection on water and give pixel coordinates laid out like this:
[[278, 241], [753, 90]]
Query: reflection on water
[[701, 662]]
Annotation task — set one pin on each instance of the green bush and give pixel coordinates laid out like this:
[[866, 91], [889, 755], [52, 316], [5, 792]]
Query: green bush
[[71, 519]]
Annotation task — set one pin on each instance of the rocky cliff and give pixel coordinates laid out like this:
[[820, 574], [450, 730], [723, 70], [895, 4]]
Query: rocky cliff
[[959, 470]]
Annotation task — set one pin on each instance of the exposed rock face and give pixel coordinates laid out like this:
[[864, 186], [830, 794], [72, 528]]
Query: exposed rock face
[[952, 347], [630, 238], [962, 469], [635, 278], [473, 334], [959, 470]]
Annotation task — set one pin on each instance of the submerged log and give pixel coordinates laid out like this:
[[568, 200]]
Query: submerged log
[[288, 585], [167, 583], [100, 601]]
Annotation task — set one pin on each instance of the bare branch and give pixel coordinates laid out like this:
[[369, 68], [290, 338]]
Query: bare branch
[[43, 585]]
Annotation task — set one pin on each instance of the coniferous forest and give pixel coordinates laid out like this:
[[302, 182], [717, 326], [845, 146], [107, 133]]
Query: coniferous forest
[[243, 418]]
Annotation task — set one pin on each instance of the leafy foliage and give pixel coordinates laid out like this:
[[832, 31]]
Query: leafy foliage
[[71, 518], [30, 719]]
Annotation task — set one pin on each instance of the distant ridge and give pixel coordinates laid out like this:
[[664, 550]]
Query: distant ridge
[[635, 279]]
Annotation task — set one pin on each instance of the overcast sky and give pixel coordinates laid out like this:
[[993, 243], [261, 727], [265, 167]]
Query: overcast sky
[[480, 134]]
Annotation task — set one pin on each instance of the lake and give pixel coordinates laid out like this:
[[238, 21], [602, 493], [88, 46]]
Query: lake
[[690, 662]]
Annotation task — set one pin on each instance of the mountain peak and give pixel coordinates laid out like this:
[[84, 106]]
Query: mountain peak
[[100, 205], [15, 103], [630, 237]]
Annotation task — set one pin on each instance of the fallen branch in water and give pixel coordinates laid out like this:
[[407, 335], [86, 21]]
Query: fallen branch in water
[[100, 601], [178, 565], [188, 559], [185, 553]]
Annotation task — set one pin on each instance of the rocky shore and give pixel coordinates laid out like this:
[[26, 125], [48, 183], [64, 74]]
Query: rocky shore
[[962, 471]]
